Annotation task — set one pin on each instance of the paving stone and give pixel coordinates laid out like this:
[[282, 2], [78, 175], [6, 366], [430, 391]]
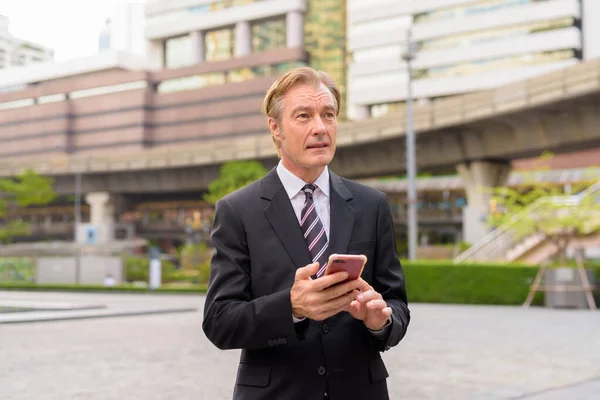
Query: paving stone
[[450, 352]]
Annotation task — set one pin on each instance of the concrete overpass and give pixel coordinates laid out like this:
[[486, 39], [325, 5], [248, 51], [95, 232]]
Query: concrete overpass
[[478, 134]]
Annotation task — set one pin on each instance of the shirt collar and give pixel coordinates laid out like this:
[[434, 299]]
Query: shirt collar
[[292, 184]]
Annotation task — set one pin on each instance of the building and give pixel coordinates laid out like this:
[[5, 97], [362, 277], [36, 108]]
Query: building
[[191, 32], [461, 46], [15, 52], [124, 29]]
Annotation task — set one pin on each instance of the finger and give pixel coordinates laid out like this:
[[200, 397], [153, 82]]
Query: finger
[[341, 289], [329, 280], [363, 285], [368, 296], [355, 308], [306, 272], [340, 302], [376, 304]]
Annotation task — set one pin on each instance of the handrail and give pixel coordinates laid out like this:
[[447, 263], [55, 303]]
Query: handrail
[[499, 240]]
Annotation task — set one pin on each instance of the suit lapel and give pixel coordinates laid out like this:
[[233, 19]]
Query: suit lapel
[[342, 215], [280, 214]]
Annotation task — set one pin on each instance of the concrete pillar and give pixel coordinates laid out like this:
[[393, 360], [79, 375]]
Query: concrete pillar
[[102, 215], [294, 29], [156, 54], [479, 177], [198, 47], [243, 39]]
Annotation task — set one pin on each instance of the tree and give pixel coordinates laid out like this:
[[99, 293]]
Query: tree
[[233, 176], [24, 190], [545, 209]]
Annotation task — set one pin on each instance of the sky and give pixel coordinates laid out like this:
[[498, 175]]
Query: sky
[[70, 27]]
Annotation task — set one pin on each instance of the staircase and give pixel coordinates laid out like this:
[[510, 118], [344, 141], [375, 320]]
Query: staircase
[[503, 244]]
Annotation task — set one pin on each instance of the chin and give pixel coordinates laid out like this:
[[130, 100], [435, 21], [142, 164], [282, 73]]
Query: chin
[[320, 160]]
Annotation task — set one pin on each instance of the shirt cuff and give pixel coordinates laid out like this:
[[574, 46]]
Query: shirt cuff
[[296, 320], [380, 333]]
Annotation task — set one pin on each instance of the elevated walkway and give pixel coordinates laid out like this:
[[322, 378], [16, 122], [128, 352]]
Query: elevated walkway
[[443, 115]]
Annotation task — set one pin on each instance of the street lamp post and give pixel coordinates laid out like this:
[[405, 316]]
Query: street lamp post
[[408, 56], [77, 223]]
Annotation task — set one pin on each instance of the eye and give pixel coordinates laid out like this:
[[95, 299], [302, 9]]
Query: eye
[[329, 115], [302, 116]]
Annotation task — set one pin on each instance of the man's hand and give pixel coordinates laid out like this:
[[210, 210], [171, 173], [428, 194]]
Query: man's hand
[[319, 299], [370, 307]]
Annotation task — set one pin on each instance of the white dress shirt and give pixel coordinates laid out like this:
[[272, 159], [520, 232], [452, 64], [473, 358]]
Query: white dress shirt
[[293, 186]]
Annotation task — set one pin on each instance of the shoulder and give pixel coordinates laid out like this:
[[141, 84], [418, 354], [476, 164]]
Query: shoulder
[[242, 195]]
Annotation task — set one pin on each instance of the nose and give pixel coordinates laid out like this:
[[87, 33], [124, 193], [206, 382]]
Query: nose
[[319, 126]]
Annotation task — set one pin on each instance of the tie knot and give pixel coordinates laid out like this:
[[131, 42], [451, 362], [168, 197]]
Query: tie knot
[[309, 190]]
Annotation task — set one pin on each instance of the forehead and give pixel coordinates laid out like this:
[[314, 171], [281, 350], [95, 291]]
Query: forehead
[[308, 94]]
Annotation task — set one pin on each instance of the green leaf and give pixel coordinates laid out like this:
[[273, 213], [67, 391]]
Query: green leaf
[[234, 175], [24, 190]]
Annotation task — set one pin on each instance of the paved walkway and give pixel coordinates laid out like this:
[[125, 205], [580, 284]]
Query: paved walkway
[[451, 352]]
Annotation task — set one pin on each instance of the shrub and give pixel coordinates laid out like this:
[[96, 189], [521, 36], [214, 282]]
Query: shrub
[[485, 283], [137, 269]]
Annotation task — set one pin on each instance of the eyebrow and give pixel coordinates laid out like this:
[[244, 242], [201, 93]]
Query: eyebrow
[[308, 108]]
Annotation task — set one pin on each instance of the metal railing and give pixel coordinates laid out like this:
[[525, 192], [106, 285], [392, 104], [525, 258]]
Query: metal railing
[[496, 244]]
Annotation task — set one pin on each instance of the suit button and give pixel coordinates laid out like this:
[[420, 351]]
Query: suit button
[[325, 328], [321, 370]]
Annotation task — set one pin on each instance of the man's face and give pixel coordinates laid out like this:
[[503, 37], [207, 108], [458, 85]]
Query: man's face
[[307, 130]]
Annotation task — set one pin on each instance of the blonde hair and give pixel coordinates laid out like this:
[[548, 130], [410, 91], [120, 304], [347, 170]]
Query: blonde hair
[[273, 103]]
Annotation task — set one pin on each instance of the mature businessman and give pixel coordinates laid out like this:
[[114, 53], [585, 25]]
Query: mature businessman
[[304, 335]]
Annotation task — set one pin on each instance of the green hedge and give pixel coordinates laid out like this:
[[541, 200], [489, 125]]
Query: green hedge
[[490, 283]]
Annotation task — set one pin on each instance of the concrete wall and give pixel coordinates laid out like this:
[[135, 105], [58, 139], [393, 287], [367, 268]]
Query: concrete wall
[[93, 269]]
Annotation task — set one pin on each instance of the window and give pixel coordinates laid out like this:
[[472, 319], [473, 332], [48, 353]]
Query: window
[[483, 66], [482, 7], [269, 35], [492, 35], [219, 44], [178, 52]]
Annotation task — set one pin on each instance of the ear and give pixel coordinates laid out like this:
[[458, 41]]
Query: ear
[[275, 129]]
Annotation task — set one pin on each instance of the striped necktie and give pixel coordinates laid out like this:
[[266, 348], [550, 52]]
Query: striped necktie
[[314, 232]]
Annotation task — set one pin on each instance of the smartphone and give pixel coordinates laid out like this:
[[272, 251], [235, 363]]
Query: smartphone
[[351, 263]]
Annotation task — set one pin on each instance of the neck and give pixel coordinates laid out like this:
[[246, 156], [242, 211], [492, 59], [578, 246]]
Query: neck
[[308, 175]]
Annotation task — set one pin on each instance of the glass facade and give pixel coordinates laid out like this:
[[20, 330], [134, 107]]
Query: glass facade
[[174, 15], [219, 44], [219, 78], [478, 8], [269, 35], [495, 64], [492, 35], [325, 41]]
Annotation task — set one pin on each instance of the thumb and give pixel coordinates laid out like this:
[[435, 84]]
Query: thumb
[[307, 271]]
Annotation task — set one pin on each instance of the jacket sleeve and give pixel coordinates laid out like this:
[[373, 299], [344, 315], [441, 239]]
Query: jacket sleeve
[[233, 318], [388, 278]]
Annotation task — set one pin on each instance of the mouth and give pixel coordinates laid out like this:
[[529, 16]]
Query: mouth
[[317, 146]]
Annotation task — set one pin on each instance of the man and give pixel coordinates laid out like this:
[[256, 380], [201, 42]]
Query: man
[[305, 335]]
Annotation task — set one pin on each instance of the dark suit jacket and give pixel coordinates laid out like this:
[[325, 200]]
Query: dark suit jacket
[[259, 245]]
